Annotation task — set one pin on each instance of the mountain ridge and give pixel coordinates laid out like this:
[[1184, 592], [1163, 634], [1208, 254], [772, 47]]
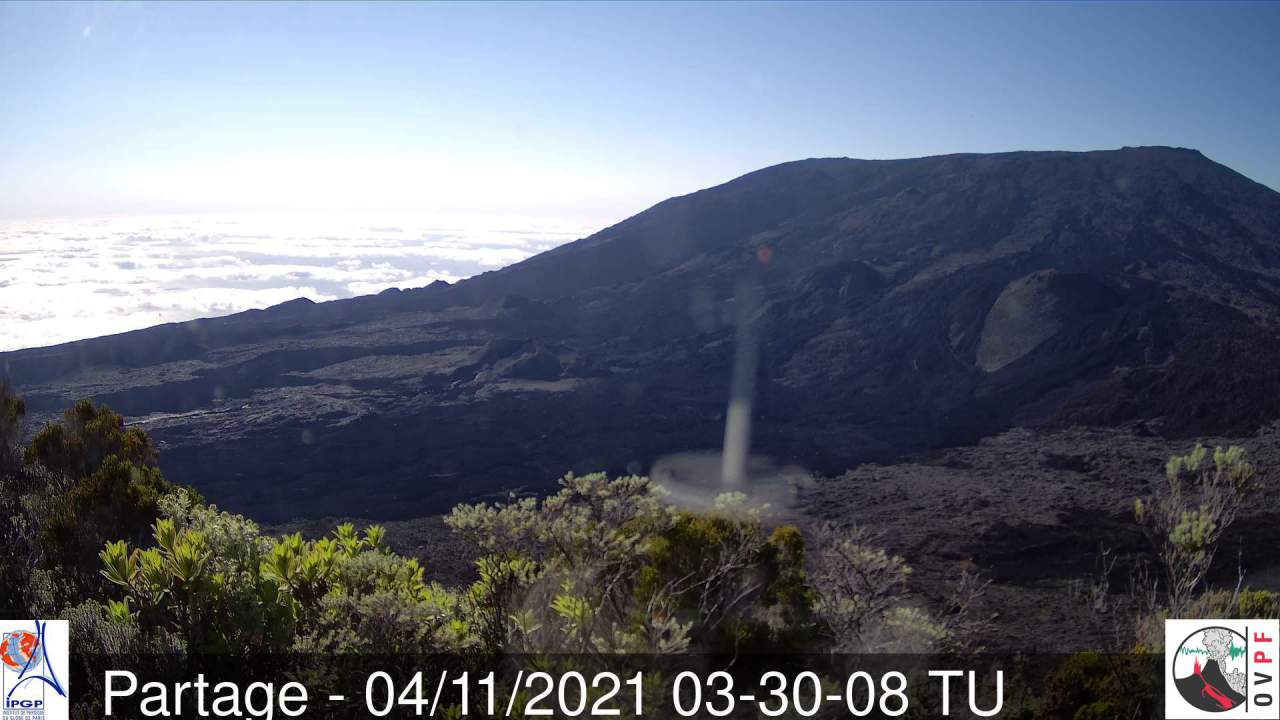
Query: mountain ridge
[[554, 252], [903, 305]]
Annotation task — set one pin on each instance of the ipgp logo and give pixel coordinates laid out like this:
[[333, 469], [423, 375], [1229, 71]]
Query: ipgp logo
[[1221, 669], [33, 665]]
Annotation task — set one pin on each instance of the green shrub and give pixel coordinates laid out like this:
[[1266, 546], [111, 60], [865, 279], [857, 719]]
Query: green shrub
[[857, 585], [92, 480], [1096, 686], [1242, 603], [1185, 523], [86, 436], [561, 574], [739, 584], [213, 581], [606, 566]]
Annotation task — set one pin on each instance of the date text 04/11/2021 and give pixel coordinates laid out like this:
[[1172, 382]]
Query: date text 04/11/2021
[[568, 694]]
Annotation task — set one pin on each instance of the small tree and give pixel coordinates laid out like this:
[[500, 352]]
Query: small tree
[[1185, 523], [86, 436], [99, 481]]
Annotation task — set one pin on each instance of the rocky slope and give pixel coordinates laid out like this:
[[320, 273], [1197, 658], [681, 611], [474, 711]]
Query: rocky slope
[[898, 305]]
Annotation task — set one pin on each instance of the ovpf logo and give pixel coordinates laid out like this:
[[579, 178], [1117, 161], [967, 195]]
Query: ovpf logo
[[1221, 669], [33, 668]]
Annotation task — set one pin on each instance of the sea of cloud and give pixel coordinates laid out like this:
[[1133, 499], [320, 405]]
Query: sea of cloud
[[64, 280]]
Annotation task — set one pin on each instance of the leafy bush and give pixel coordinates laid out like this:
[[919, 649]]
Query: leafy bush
[[1186, 522], [857, 585], [607, 566], [603, 566], [215, 583]]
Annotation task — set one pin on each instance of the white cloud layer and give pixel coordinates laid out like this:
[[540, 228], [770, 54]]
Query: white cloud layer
[[64, 280]]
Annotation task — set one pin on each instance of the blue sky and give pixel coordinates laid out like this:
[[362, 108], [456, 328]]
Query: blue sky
[[590, 111]]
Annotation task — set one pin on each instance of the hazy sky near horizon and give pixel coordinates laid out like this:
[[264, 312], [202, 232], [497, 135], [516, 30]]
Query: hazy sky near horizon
[[75, 278], [589, 111]]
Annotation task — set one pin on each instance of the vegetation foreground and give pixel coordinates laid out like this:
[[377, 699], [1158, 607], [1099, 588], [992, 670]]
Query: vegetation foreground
[[95, 534]]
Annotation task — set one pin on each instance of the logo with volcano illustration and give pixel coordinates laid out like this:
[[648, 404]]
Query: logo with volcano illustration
[[1209, 669], [1221, 669]]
